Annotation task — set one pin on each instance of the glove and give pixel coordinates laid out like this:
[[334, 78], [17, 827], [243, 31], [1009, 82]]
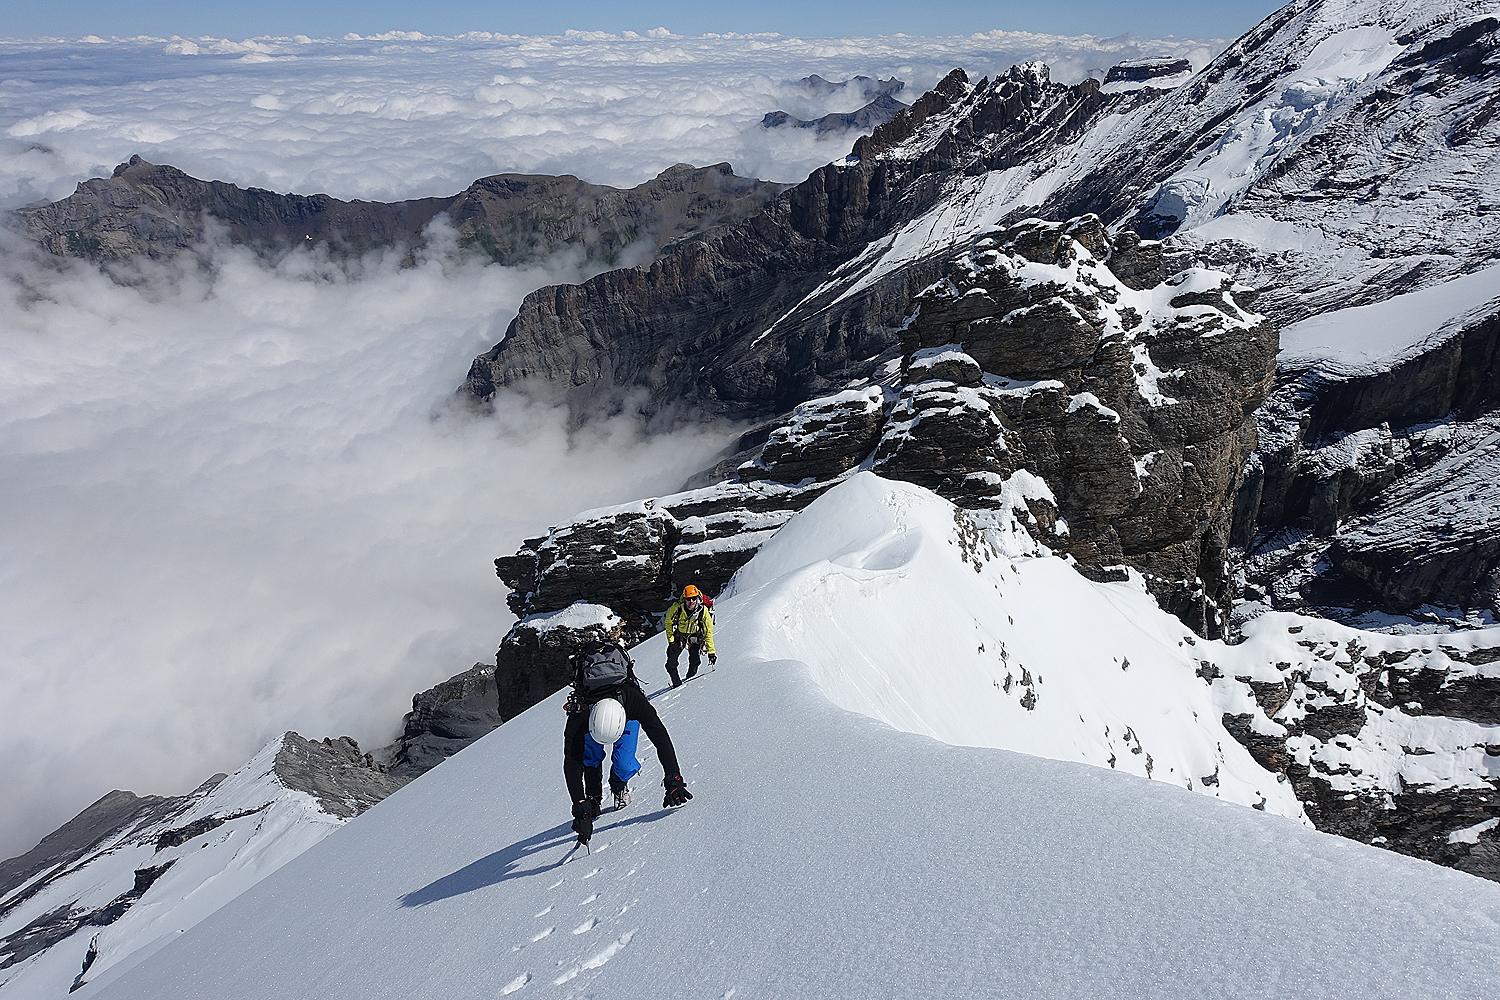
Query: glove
[[677, 792], [713, 658], [583, 821]]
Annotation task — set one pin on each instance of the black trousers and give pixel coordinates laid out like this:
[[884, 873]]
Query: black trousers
[[588, 782], [674, 652]]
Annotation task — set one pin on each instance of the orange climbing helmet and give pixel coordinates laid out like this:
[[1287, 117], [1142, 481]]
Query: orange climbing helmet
[[690, 591]]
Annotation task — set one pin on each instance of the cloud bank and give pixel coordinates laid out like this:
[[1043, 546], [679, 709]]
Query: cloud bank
[[403, 115], [238, 502]]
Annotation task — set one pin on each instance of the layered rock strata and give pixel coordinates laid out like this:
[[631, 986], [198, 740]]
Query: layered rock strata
[[1377, 489]]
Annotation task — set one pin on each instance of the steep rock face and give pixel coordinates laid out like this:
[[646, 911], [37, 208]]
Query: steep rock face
[[157, 210], [1376, 487], [1389, 740], [781, 308], [444, 719]]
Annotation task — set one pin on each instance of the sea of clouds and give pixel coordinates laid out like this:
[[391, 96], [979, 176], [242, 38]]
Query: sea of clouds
[[235, 496]]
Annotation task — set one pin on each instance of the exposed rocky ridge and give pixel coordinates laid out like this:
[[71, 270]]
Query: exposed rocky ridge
[[753, 321], [112, 813], [1389, 740], [157, 210]]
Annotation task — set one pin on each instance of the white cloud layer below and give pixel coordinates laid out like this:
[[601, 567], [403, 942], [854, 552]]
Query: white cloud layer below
[[234, 501], [402, 116], [241, 503]]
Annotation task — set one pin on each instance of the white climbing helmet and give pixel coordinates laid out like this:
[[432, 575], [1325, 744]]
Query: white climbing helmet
[[606, 721]]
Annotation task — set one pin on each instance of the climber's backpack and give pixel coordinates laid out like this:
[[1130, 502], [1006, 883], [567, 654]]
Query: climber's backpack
[[600, 670]]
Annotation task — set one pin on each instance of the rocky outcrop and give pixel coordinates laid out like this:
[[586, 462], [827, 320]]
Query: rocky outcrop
[[532, 661], [444, 719], [1132, 404], [151, 210], [1390, 740], [879, 111], [611, 573]]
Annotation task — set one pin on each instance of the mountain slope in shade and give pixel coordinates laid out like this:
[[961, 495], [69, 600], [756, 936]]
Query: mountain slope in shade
[[828, 852]]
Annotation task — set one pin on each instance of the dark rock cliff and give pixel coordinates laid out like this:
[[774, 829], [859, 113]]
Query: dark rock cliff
[[1378, 489], [156, 210]]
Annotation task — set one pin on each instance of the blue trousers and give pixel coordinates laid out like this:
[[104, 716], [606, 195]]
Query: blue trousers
[[622, 763]]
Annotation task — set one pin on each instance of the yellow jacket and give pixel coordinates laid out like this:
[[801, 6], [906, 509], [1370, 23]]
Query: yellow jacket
[[691, 627]]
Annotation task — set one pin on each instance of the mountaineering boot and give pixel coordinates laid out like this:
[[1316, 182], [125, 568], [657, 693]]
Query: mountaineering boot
[[621, 792], [583, 821]]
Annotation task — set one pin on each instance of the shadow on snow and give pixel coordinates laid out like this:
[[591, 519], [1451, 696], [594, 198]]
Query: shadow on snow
[[492, 869]]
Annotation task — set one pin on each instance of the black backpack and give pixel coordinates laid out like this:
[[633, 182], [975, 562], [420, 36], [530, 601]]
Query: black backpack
[[600, 670]]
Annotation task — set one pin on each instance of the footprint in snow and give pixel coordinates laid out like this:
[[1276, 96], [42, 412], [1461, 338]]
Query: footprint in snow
[[541, 934], [609, 952], [516, 983], [586, 902], [591, 874], [586, 926], [554, 885], [546, 911]]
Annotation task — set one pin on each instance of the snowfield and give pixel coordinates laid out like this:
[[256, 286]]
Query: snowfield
[[831, 853]]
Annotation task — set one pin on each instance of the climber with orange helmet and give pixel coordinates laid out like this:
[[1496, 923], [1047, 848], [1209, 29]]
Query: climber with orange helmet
[[690, 623]]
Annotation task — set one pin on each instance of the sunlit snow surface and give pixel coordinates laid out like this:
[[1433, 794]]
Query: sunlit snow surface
[[829, 854], [1372, 338]]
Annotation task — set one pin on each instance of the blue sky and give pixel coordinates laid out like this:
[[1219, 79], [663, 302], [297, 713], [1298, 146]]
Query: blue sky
[[238, 19]]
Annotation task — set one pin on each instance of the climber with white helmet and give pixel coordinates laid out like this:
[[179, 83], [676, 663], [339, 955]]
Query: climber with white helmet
[[607, 708], [690, 623]]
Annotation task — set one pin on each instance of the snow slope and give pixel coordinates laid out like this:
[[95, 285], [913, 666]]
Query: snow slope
[[830, 854], [1372, 338], [255, 824]]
